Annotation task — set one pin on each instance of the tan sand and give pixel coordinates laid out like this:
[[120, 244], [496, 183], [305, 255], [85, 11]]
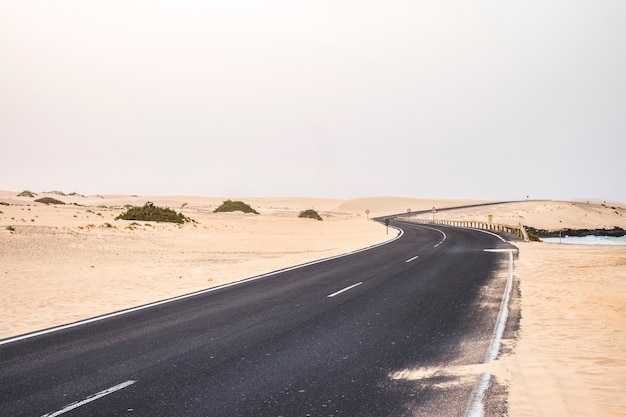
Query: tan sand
[[570, 359], [63, 263], [550, 215]]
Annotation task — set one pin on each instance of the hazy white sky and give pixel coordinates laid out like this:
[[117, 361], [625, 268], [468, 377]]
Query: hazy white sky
[[452, 99]]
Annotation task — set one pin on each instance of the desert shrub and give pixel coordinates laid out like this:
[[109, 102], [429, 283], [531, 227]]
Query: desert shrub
[[230, 206], [10, 228], [49, 200], [310, 214], [533, 237], [26, 193], [151, 213], [107, 224]]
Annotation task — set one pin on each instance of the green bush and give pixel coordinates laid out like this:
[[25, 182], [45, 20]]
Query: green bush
[[151, 213], [310, 214], [49, 200], [230, 206], [26, 193]]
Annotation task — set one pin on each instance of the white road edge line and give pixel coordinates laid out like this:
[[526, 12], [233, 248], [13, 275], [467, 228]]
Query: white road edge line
[[193, 294], [494, 348], [412, 259], [476, 408], [437, 230], [345, 289], [91, 398], [488, 232]]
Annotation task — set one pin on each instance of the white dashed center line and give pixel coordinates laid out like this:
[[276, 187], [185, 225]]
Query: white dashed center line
[[89, 399], [345, 289]]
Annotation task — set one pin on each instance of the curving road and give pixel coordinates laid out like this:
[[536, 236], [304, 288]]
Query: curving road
[[327, 339]]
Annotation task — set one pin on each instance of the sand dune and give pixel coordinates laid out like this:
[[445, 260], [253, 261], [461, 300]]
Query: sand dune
[[379, 206], [550, 215], [62, 263]]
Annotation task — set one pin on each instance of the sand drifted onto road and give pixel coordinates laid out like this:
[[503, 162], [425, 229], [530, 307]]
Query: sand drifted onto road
[[63, 263]]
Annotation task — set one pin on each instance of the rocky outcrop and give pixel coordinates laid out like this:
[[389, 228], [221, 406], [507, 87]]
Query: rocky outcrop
[[616, 231]]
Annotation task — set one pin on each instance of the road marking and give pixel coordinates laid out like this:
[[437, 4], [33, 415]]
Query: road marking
[[412, 259], [345, 289], [437, 230], [489, 233], [89, 399], [494, 348], [476, 408], [193, 294]]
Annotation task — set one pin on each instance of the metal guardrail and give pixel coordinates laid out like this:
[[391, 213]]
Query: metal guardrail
[[446, 208], [518, 231]]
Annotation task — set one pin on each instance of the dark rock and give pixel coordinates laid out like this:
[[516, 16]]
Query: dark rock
[[616, 232]]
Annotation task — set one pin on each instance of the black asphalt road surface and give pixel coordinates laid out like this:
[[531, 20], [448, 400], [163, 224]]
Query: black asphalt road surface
[[287, 344]]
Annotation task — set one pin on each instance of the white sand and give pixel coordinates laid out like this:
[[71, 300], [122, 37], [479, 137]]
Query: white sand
[[62, 263]]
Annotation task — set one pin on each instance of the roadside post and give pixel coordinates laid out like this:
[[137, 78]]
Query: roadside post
[[367, 212], [433, 211], [387, 224]]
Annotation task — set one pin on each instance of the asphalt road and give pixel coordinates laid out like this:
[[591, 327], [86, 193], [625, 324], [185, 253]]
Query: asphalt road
[[321, 340]]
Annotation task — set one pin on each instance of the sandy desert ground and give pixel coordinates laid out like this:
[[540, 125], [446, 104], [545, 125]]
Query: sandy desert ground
[[63, 263]]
